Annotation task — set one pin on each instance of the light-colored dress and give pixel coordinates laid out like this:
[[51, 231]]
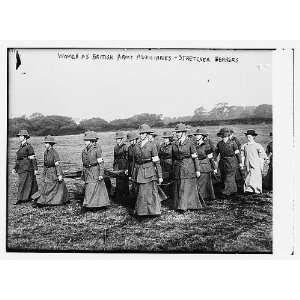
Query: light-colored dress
[[254, 156]]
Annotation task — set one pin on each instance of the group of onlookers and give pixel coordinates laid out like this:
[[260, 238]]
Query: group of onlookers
[[181, 166]]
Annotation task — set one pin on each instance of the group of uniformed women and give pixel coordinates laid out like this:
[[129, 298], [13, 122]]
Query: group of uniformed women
[[179, 169]]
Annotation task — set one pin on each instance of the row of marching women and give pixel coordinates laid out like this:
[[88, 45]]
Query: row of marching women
[[180, 169]]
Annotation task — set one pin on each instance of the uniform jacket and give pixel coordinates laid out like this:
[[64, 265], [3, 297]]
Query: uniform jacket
[[166, 162], [205, 155], [130, 159], [90, 162], [145, 169], [120, 157], [185, 159], [229, 155], [236, 140], [269, 151], [25, 161], [52, 167]]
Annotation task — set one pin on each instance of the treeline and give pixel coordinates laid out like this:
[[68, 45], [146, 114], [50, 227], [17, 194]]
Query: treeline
[[38, 124]]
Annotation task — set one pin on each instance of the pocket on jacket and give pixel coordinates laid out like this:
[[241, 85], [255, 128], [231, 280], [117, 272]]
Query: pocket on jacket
[[149, 171]]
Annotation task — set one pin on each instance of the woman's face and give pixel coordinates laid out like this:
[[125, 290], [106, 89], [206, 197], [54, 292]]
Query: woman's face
[[166, 140], [133, 142], [87, 143], [199, 137], [250, 138], [22, 138], [225, 138], [143, 135], [179, 134], [119, 141], [47, 145]]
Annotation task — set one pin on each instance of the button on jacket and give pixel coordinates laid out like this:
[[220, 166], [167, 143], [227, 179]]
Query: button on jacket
[[120, 157], [145, 170], [23, 162], [185, 166]]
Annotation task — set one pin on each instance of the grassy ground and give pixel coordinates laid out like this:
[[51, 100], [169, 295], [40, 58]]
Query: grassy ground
[[242, 224]]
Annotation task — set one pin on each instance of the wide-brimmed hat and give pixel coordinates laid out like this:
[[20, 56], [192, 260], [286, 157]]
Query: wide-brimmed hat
[[167, 134], [200, 131], [145, 128], [120, 135], [251, 132], [90, 136], [224, 132], [132, 136], [24, 132], [49, 139], [180, 128]]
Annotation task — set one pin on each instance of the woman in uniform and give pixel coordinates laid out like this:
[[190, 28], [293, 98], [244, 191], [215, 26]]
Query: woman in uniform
[[121, 164], [269, 177], [26, 168], [230, 157], [165, 156], [253, 156], [132, 138], [54, 190], [186, 169], [207, 166], [96, 195], [146, 174]]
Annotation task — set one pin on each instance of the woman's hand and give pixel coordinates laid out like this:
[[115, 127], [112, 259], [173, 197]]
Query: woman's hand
[[13, 171], [215, 171], [35, 172], [100, 177], [60, 178], [198, 174], [160, 180]]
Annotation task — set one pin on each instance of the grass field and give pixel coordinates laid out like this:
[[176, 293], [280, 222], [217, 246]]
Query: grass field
[[242, 224]]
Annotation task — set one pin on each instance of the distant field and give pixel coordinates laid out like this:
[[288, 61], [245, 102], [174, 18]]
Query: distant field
[[241, 224]]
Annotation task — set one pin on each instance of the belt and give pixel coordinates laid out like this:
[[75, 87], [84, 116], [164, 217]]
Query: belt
[[143, 161], [91, 165], [22, 158], [182, 158]]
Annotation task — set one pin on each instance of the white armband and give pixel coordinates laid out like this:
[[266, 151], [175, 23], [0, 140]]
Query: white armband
[[210, 155], [57, 163], [31, 156], [236, 151], [155, 158], [100, 160], [194, 155]]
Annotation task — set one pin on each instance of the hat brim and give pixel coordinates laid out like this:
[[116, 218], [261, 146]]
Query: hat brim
[[26, 135], [90, 139], [253, 134], [49, 142]]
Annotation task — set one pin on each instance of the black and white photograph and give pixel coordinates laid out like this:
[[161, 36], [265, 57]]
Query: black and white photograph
[[140, 150]]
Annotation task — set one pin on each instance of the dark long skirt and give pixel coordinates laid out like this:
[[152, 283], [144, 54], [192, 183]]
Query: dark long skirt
[[228, 168], [27, 186], [269, 178], [53, 193], [148, 199], [95, 195], [122, 189], [205, 186], [186, 195]]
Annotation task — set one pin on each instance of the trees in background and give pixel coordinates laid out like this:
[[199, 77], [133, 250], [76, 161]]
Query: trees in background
[[38, 124]]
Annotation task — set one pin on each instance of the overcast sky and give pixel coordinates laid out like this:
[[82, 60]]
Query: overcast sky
[[112, 88]]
